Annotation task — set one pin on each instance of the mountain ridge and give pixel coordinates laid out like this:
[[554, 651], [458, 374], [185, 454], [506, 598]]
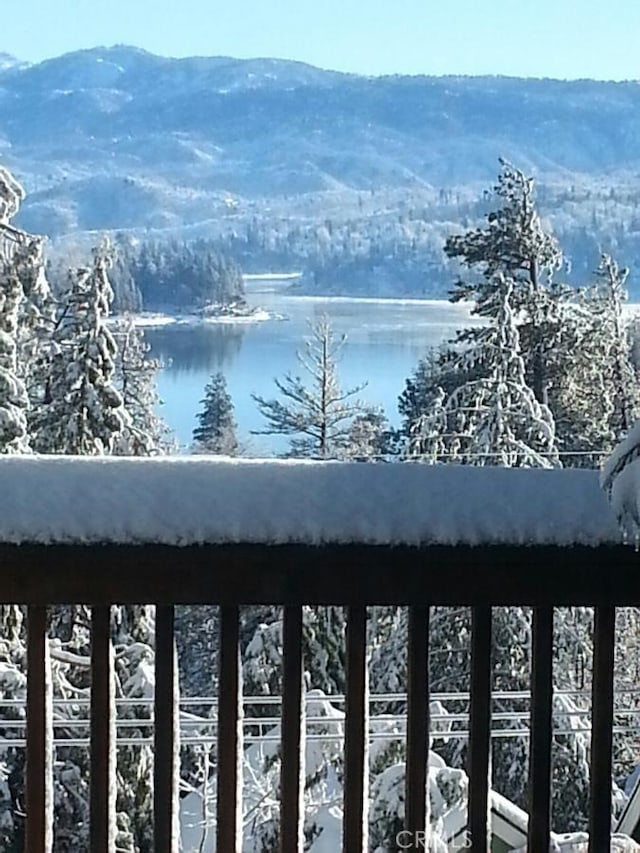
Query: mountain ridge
[[129, 49], [119, 138]]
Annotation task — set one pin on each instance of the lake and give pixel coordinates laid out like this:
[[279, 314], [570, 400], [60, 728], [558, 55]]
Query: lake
[[385, 340]]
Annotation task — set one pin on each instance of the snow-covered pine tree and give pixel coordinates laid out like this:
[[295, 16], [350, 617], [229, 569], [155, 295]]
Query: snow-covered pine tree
[[216, 430], [323, 649], [14, 402], [25, 252], [17, 268], [581, 399], [36, 314], [621, 374], [318, 416], [596, 400], [127, 296], [82, 411], [370, 437], [22, 269], [436, 376], [145, 433], [428, 432], [514, 243], [420, 387], [495, 419]]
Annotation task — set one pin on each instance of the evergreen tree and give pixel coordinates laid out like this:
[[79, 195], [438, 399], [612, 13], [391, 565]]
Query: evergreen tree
[[216, 430], [176, 275], [494, 419], [82, 412], [144, 433], [126, 294], [514, 243], [36, 318], [323, 647], [14, 402], [596, 401], [20, 277], [370, 437], [621, 374], [318, 416], [581, 399], [435, 377]]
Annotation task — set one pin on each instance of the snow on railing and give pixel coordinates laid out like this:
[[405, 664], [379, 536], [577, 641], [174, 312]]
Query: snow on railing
[[196, 500]]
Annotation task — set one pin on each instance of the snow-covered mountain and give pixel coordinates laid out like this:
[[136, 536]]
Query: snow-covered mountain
[[118, 137]]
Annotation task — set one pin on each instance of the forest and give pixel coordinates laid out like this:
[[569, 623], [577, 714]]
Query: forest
[[168, 275]]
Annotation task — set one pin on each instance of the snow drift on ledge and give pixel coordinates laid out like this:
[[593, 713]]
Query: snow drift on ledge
[[195, 500]]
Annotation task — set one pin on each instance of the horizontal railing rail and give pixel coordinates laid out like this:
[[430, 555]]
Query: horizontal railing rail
[[324, 575], [249, 701], [353, 576]]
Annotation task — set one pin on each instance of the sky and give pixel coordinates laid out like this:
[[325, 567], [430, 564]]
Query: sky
[[530, 38]]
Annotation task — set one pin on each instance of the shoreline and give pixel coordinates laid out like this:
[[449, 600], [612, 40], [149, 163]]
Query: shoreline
[[259, 314]]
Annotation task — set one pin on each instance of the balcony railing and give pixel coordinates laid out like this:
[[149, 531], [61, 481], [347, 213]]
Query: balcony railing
[[51, 556]]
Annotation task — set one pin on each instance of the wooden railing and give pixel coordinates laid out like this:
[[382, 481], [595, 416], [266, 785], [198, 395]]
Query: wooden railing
[[352, 576]]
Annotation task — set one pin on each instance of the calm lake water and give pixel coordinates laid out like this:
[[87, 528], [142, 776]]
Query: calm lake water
[[385, 340]]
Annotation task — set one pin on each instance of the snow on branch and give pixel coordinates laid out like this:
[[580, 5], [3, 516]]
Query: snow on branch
[[195, 500], [11, 195]]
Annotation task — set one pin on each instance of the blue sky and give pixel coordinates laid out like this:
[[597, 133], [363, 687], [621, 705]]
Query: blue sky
[[535, 38]]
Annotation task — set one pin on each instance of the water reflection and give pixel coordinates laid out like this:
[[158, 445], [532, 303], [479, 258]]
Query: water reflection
[[189, 349]]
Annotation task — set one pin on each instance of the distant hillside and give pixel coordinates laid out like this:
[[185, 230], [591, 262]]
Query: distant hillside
[[117, 138]]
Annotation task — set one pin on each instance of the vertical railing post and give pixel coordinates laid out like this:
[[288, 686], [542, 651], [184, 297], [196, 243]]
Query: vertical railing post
[[417, 819], [539, 831], [356, 770], [602, 729], [39, 770], [480, 728], [292, 767], [166, 761], [103, 734], [229, 785]]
